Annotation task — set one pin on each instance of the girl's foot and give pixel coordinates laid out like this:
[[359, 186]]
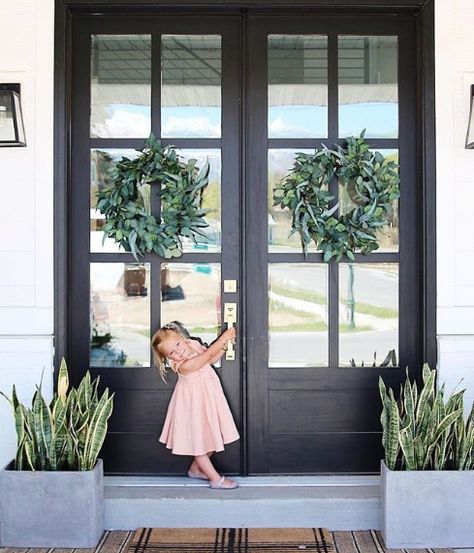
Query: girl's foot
[[197, 474], [224, 484]]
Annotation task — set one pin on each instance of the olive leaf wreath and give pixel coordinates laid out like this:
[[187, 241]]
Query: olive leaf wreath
[[371, 182], [129, 223]]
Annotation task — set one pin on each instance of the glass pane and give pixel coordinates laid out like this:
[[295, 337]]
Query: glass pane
[[191, 294], [191, 86], [298, 315], [368, 90], [211, 200], [102, 163], [368, 313], [120, 315], [280, 162], [387, 236], [120, 86], [297, 86]]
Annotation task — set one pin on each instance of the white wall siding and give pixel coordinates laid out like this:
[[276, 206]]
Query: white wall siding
[[26, 213], [454, 22]]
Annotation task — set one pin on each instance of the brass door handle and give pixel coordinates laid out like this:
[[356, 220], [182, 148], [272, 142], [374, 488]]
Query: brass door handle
[[230, 317]]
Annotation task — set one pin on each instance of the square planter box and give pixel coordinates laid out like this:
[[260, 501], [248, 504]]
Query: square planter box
[[51, 509], [427, 509]]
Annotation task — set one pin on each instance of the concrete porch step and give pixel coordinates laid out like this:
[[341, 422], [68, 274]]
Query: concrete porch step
[[334, 502]]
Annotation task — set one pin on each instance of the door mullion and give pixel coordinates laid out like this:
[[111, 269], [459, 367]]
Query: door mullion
[[333, 268], [333, 89], [155, 261]]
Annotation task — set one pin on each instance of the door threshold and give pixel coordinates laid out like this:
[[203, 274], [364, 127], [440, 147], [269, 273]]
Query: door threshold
[[333, 480]]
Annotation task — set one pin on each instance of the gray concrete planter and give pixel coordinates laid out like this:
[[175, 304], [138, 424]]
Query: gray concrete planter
[[51, 509], [427, 509]]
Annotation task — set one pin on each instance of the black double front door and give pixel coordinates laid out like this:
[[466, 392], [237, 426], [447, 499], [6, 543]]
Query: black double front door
[[247, 92]]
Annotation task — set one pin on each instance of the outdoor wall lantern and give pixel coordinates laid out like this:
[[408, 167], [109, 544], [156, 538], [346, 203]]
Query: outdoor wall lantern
[[12, 129], [470, 127]]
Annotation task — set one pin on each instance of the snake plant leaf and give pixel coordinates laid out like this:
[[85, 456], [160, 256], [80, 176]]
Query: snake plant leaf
[[98, 430], [426, 394], [63, 381], [426, 372], [409, 403], [43, 428], [446, 422], [391, 452], [30, 455], [20, 461], [407, 446]]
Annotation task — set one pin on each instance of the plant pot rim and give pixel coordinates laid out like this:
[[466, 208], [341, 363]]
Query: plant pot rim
[[9, 468], [404, 471]]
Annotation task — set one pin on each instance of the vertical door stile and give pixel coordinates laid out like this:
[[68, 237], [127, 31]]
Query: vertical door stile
[[256, 245]]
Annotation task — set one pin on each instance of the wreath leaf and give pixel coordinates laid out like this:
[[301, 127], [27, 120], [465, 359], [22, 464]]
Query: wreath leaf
[[371, 181], [181, 191]]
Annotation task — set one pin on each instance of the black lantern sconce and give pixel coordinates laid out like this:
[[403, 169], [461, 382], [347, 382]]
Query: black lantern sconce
[[470, 127], [12, 129]]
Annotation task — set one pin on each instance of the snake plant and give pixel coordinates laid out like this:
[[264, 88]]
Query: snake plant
[[66, 434], [422, 430]]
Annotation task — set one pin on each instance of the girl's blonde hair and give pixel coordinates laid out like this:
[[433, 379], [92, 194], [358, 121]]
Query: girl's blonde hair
[[158, 337]]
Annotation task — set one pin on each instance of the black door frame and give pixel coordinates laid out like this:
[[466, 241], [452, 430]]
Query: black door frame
[[66, 10]]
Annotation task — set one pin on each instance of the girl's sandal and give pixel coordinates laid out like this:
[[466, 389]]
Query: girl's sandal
[[197, 475], [223, 484]]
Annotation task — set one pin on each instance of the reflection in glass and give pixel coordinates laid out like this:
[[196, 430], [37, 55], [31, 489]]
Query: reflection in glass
[[368, 312], [120, 315], [297, 86], [120, 86], [191, 86], [191, 294], [368, 90], [211, 200], [387, 236], [102, 164], [280, 162], [298, 315]]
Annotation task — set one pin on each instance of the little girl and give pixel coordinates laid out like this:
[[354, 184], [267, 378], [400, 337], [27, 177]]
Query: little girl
[[198, 421]]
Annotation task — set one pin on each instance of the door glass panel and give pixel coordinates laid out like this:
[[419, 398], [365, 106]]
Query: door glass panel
[[211, 200], [298, 315], [120, 315], [120, 86], [368, 313], [368, 89], [387, 236], [103, 162], [280, 162], [297, 86], [191, 86], [191, 294]]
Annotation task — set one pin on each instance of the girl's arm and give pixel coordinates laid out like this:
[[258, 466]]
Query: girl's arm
[[214, 352]]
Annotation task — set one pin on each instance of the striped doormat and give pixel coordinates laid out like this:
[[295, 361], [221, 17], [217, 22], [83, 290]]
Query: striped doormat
[[231, 540]]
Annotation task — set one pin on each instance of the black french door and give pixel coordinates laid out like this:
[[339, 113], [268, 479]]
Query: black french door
[[316, 344], [247, 92]]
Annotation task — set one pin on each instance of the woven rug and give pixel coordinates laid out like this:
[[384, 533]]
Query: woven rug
[[231, 540]]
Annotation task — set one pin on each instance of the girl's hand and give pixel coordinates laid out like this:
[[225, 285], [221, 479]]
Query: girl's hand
[[228, 335]]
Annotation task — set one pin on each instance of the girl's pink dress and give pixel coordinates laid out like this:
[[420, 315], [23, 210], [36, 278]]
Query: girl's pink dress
[[198, 419]]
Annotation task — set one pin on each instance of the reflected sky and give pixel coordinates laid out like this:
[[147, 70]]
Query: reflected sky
[[380, 120]]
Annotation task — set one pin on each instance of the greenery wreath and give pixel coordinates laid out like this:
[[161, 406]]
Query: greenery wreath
[[125, 204], [371, 183]]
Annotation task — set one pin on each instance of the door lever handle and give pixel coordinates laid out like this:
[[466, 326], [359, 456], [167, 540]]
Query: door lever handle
[[230, 317]]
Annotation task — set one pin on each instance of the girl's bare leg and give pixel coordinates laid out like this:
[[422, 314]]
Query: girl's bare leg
[[208, 469], [194, 467], [205, 466]]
